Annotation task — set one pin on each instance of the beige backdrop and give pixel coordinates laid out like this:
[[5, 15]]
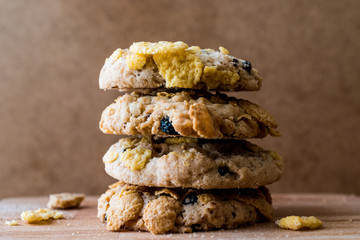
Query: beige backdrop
[[51, 53]]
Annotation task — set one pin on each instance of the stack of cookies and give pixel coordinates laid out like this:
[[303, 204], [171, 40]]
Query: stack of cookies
[[184, 164]]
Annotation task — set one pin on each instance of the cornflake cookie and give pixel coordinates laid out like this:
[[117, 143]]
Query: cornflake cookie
[[190, 114], [192, 163], [176, 65], [65, 200], [163, 210], [41, 214]]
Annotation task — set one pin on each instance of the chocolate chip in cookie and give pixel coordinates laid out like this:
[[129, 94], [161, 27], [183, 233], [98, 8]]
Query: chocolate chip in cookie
[[167, 127], [235, 62], [191, 198], [246, 65], [223, 170]]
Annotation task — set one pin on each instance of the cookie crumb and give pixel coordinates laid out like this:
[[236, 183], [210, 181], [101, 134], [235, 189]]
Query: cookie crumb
[[296, 222], [65, 200], [11, 223], [41, 214]]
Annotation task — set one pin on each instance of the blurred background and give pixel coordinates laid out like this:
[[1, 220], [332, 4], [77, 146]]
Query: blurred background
[[52, 53]]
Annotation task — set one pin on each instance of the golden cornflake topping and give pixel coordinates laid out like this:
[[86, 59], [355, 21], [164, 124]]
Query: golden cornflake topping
[[179, 70], [145, 139], [128, 143], [41, 214], [166, 191], [135, 61], [209, 50], [193, 49], [116, 54], [110, 156], [123, 208], [177, 140], [136, 159], [224, 50], [178, 64], [296, 222], [213, 77], [158, 47], [205, 198]]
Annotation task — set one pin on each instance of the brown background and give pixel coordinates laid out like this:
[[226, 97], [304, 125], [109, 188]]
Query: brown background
[[51, 53]]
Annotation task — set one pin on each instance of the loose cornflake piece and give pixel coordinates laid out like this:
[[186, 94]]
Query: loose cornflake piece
[[296, 222], [161, 47], [11, 223], [41, 214], [65, 200], [194, 49]]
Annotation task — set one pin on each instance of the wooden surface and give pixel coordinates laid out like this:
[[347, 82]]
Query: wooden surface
[[340, 213]]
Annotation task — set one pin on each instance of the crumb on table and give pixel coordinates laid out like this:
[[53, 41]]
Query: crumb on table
[[65, 200], [11, 223], [41, 214], [296, 222]]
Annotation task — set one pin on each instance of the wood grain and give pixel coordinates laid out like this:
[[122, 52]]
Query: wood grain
[[340, 213]]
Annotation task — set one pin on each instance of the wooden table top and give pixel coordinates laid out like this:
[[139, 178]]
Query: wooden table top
[[340, 214]]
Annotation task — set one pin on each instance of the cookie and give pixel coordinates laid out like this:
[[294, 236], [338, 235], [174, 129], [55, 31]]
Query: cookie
[[175, 65], [163, 210], [192, 163], [189, 114]]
